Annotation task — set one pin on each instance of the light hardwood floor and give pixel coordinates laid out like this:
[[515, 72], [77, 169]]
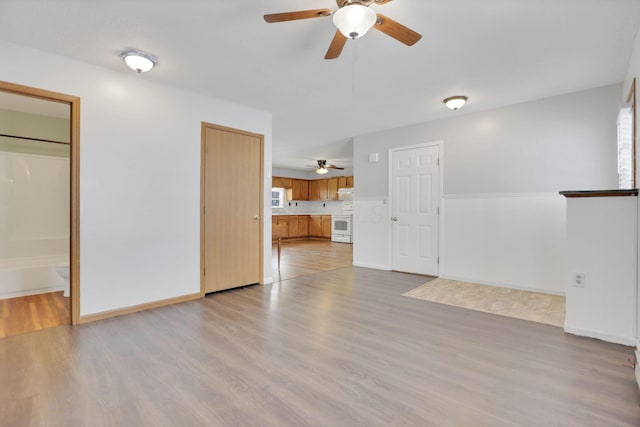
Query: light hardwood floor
[[32, 313], [303, 257], [337, 348]]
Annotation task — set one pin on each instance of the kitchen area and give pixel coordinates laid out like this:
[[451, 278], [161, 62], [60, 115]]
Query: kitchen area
[[312, 219]]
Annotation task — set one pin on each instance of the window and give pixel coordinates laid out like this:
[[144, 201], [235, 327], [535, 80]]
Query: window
[[625, 148], [277, 197]]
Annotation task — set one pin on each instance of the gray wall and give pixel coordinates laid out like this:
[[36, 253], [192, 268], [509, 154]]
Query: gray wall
[[566, 142]]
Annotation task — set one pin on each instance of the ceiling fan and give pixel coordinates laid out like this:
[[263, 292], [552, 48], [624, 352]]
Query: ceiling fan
[[323, 167], [353, 19]]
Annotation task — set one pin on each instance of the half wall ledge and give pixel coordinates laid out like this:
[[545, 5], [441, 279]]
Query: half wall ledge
[[600, 193]]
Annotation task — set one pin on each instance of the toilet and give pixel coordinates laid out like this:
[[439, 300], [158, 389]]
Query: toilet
[[63, 271]]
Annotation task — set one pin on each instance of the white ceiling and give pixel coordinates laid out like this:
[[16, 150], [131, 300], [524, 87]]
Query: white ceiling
[[497, 52]]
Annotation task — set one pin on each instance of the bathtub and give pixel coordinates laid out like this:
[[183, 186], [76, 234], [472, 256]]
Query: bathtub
[[29, 276]]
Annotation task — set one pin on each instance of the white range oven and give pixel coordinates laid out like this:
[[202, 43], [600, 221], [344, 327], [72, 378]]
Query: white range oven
[[341, 228]]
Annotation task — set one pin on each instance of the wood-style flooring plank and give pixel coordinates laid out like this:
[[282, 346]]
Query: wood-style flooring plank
[[34, 312], [338, 348], [309, 256]]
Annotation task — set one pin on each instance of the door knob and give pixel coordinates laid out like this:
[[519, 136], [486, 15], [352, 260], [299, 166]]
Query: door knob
[[394, 218], [256, 217]]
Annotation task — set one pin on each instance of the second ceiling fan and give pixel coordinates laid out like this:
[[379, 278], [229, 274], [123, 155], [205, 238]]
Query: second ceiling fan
[[353, 19]]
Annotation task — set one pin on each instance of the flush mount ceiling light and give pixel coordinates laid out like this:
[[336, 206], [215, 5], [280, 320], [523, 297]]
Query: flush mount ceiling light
[[354, 20], [138, 60], [455, 102]]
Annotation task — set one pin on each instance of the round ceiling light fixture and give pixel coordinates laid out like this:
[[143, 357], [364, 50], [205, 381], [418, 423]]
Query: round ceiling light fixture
[[354, 20], [138, 60], [322, 170], [455, 102]]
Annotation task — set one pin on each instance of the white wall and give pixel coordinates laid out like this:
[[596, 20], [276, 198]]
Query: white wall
[[601, 234], [140, 176], [511, 240], [501, 170]]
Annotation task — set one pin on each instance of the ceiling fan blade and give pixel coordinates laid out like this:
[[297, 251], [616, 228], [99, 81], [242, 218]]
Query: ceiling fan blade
[[336, 46], [333, 167], [293, 16], [397, 31]]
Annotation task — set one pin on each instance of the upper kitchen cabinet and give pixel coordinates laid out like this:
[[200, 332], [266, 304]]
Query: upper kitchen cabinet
[[300, 189], [287, 182], [281, 182], [332, 189], [345, 182], [318, 189]]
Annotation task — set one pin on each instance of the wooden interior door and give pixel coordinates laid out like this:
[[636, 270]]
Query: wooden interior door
[[232, 212]]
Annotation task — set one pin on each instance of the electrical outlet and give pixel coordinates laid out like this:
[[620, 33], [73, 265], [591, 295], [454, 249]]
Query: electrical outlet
[[579, 280]]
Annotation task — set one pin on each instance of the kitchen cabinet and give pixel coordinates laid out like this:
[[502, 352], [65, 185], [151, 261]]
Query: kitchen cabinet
[[303, 225], [315, 226], [345, 182], [349, 182], [293, 226], [332, 189], [300, 189], [287, 182], [326, 226], [283, 225], [274, 227], [318, 189], [281, 182]]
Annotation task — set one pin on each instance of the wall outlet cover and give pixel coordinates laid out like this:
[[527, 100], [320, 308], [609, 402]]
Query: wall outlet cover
[[579, 280]]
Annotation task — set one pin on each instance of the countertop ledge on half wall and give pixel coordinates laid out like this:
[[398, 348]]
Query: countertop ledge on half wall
[[303, 213], [600, 193]]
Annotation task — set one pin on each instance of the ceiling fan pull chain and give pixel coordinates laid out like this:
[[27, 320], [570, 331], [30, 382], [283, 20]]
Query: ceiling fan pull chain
[[353, 68]]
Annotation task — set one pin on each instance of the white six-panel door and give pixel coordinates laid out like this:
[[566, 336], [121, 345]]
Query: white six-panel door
[[415, 196]]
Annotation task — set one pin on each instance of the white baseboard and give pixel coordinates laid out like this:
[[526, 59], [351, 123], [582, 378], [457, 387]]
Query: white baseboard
[[502, 285], [31, 292], [267, 280], [616, 339], [373, 266]]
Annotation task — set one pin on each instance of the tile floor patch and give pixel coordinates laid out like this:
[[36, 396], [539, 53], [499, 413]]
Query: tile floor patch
[[526, 305]]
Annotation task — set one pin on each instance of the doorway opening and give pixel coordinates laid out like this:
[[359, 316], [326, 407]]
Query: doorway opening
[[39, 246]]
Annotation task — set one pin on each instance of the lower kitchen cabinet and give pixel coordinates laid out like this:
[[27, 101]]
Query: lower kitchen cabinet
[[293, 226], [315, 226], [279, 224], [326, 226], [303, 225]]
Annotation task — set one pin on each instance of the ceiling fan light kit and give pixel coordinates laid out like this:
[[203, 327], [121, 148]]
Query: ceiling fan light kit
[[323, 167], [455, 102], [353, 19], [138, 60]]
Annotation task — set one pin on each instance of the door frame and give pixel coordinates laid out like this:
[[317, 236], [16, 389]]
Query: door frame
[[440, 145], [203, 130], [74, 184]]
